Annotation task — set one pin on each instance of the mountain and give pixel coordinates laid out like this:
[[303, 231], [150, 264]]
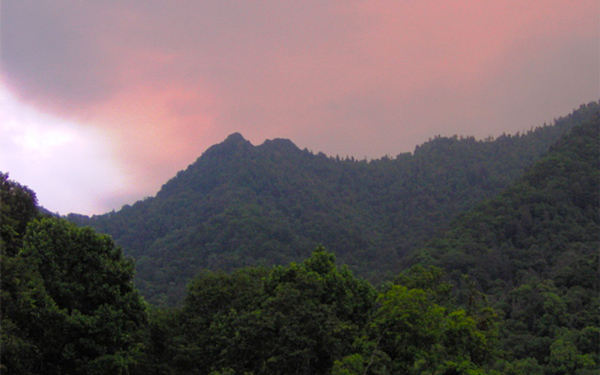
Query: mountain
[[534, 251], [241, 205]]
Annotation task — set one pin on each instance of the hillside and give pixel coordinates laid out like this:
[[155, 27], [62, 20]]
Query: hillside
[[241, 205], [534, 251]]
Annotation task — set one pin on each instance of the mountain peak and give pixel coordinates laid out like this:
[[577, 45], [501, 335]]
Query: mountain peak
[[235, 138], [279, 144], [233, 143]]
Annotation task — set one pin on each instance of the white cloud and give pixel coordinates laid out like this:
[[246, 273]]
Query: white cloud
[[70, 167]]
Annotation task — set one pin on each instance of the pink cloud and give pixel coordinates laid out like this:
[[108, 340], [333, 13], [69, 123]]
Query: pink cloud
[[349, 78]]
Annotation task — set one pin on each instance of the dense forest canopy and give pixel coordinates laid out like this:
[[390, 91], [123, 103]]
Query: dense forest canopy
[[508, 285], [69, 307], [534, 250], [241, 205]]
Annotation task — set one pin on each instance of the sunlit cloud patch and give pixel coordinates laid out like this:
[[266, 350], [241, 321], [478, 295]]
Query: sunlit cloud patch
[[56, 158]]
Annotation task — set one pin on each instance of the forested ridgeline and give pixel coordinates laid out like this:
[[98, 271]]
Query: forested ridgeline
[[241, 205], [534, 250], [510, 287]]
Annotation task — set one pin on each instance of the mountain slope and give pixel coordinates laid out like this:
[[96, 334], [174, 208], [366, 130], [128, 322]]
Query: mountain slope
[[534, 251], [240, 204]]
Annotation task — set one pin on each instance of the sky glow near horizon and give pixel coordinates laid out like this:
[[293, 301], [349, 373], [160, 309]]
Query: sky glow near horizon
[[41, 151], [102, 102]]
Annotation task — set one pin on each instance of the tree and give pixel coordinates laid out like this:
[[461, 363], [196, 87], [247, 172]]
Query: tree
[[417, 329], [69, 300], [317, 311], [288, 320], [18, 206]]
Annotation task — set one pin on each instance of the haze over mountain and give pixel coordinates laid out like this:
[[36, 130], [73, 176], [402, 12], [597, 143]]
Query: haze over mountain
[[241, 205]]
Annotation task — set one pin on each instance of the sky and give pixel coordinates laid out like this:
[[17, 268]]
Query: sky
[[102, 102]]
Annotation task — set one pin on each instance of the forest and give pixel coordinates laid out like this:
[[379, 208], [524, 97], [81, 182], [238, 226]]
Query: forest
[[464, 257], [242, 205]]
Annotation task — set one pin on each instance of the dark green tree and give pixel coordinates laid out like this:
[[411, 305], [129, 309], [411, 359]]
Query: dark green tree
[[288, 320], [18, 206], [68, 303]]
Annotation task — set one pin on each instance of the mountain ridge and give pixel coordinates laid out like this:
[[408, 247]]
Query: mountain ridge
[[240, 204]]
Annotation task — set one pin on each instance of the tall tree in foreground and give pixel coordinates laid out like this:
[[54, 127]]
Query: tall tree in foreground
[[289, 320], [68, 302], [18, 206]]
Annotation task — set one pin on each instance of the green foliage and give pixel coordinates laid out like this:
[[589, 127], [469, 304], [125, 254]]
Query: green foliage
[[410, 333], [565, 358], [407, 327], [316, 318], [18, 206], [432, 280], [294, 319], [160, 343], [534, 251], [68, 305]]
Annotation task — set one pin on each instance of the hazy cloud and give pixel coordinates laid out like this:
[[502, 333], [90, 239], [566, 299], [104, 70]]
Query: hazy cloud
[[165, 80], [70, 169]]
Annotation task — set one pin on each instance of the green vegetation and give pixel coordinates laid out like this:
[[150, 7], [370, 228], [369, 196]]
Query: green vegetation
[[534, 251], [240, 205], [510, 286], [69, 307], [67, 300], [317, 318]]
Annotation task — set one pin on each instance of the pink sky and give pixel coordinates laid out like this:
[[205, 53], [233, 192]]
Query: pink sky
[[101, 102]]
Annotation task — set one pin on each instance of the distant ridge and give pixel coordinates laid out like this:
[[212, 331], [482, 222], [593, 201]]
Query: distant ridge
[[240, 205]]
